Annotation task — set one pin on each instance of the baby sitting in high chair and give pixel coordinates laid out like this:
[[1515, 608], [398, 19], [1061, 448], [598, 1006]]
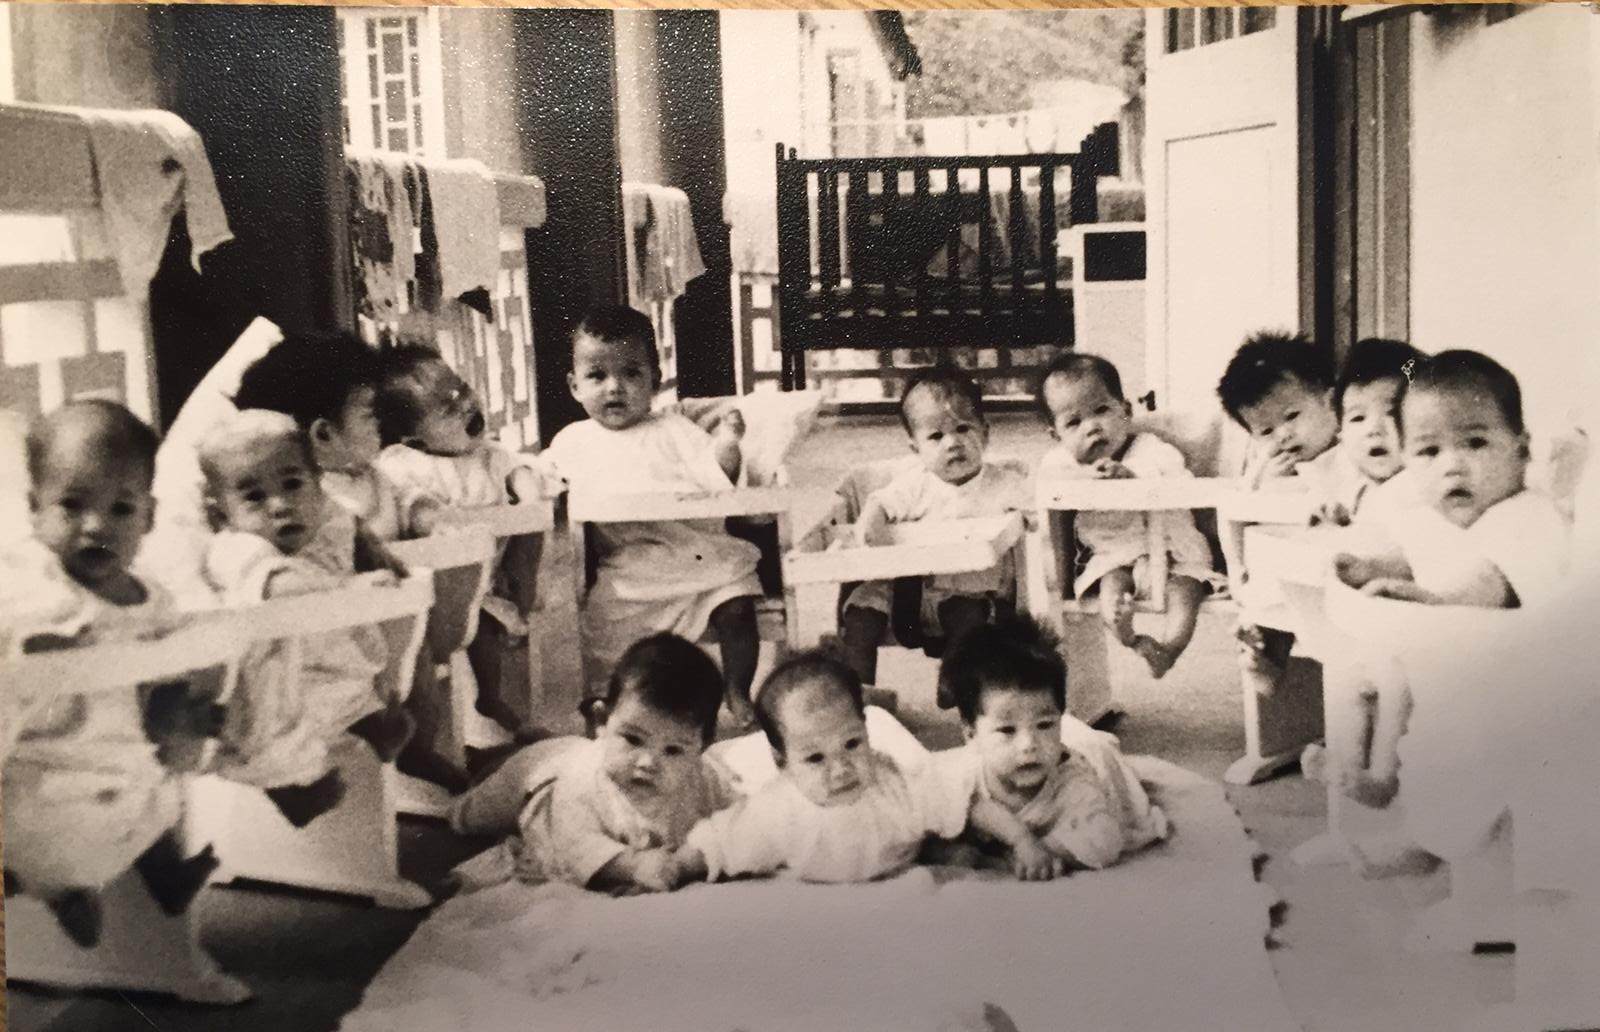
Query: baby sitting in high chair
[[1081, 398], [1479, 537], [90, 785], [942, 411], [682, 576], [1037, 805], [277, 534], [436, 446]]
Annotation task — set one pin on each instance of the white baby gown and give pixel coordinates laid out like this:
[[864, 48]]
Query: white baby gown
[[1121, 539], [652, 576], [280, 726], [779, 829], [85, 794]]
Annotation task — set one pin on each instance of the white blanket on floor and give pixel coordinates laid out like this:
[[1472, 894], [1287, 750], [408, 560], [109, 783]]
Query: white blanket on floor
[[1172, 940]]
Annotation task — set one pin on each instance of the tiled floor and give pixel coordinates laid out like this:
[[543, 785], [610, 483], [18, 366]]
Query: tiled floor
[[1339, 959]]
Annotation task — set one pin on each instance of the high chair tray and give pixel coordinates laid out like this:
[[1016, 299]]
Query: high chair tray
[[666, 506], [1149, 494], [1286, 502], [1283, 553], [829, 555], [531, 517]]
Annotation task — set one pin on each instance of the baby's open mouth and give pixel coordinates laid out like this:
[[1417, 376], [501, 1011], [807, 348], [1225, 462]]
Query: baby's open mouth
[[291, 531], [94, 555], [1378, 451], [475, 424]]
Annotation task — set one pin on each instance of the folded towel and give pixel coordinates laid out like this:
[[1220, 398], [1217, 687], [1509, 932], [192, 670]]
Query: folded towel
[[150, 164], [466, 221]]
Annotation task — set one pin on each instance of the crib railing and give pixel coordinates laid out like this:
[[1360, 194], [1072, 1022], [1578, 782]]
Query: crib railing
[[877, 252]]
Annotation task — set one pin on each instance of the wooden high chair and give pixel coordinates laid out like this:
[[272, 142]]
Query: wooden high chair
[[827, 552], [777, 613], [141, 947], [353, 848], [1460, 665]]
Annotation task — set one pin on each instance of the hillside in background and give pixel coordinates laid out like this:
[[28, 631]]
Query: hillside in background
[[980, 63]]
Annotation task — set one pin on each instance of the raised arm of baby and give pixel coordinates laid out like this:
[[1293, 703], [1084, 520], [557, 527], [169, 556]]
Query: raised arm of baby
[[1030, 861], [725, 437]]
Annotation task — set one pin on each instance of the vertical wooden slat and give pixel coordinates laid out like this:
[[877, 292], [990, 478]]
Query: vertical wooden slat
[[1395, 253], [888, 237], [952, 243], [985, 243], [1344, 188], [1047, 229], [856, 232], [1017, 228], [828, 231], [794, 266], [1367, 214], [924, 213]]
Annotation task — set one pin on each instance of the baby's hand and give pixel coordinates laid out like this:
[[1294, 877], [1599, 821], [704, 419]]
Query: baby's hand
[[1353, 570], [1111, 469], [427, 516], [1032, 862], [655, 871], [730, 426], [1397, 588], [1330, 513]]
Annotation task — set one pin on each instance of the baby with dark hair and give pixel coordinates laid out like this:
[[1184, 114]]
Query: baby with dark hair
[[90, 785], [686, 577], [1037, 807], [609, 813]]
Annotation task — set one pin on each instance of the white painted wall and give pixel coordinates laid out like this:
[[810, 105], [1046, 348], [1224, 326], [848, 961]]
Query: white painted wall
[[1505, 219]]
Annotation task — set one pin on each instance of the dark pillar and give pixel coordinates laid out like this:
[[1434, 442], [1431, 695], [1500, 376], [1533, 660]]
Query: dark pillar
[[261, 85], [689, 48], [566, 98]]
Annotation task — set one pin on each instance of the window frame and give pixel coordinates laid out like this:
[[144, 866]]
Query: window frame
[[358, 58]]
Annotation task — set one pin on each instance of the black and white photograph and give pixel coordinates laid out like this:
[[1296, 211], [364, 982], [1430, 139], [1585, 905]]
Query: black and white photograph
[[734, 520]]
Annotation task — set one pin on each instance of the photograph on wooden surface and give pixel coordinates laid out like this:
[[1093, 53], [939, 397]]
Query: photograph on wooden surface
[[788, 520]]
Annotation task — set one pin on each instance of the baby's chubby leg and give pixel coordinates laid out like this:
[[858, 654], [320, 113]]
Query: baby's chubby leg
[[1116, 604], [1183, 611], [861, 632], [959, 614], [734, 623]]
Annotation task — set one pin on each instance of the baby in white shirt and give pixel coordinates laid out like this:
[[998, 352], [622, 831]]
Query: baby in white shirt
[[90, 782], [1081, 398], [684, 576], [942, 411], [1037, 806], [1478, 538], [838, 811]]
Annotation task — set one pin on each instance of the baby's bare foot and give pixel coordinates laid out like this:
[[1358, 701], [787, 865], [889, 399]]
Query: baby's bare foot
[[1314, 763], [741, 715], [1120, 620], [1388, 858], [1156, 656], [1370, 791]]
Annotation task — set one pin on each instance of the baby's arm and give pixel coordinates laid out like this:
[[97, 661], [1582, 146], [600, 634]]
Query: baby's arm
[[746, 838], [524, 485], [873, 526], [1086, 833], [725, 437], [636, 871], [1262, 464], [1030, 860]]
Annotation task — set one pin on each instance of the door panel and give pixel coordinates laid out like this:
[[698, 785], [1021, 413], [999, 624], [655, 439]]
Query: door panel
[[1222, 166]]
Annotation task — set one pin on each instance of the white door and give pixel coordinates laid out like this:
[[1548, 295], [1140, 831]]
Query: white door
[[1222, 172]]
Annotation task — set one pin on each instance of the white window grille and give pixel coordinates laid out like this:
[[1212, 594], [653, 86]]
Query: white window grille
[[392, 89]]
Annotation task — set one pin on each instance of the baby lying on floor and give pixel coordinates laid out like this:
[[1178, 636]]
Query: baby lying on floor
[[1036, 804], [606, 813]]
